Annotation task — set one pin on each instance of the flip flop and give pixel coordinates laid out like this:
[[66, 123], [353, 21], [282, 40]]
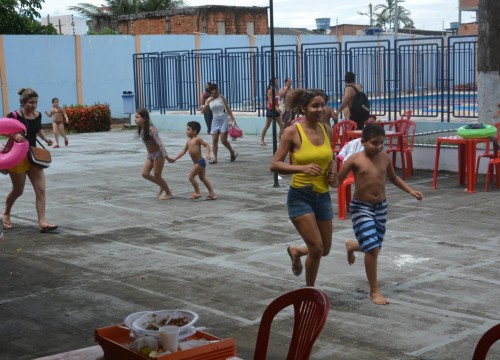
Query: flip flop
[[297, 270], [47, 228], [213, 162], [195, 196], [263, 144], [211, 197], [234, 157]]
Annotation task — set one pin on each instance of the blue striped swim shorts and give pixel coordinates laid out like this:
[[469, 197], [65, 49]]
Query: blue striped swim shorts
[[368, 222]]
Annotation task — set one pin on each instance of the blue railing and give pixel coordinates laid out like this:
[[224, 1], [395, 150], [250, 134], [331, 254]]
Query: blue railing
[[425, 75]]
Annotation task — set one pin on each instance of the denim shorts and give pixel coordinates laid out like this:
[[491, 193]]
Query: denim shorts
[[303, 201]]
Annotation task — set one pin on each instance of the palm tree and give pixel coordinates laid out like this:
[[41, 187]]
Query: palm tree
[[124, 7], [384, 14]]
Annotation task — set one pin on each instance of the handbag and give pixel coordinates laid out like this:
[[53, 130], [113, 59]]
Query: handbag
[[39, 156], [235, 131]]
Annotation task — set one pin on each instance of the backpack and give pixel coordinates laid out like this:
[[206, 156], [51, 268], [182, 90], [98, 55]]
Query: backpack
[[360, 109]]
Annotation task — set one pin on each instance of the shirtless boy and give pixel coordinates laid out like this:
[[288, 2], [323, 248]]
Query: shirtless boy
[[193, 146], [369, 205]]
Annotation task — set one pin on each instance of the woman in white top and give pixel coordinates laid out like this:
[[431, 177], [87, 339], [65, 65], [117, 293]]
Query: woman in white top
[[220, 123]]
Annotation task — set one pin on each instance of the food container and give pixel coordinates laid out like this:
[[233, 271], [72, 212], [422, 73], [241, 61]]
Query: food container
[[115, 341]]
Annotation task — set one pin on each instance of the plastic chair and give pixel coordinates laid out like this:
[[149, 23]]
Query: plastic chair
[[485, 343], [492, 165], [406, 115], [344, 196], [487, 153], [339, 137], [408, 128], [311, 307]]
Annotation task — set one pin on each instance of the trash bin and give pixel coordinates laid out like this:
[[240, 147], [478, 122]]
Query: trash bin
[[128, 98]]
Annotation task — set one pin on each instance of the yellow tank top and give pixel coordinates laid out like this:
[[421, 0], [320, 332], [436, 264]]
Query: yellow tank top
[[309, 153]]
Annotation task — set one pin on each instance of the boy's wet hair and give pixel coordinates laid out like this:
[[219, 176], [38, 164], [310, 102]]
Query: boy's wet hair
[[54, 99], [195, 125], [372, 130]]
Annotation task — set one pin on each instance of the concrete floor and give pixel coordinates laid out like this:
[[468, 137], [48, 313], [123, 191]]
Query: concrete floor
[[119, 250]]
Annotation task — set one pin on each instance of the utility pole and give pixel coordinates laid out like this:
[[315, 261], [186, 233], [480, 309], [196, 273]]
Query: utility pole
[[273, 75]]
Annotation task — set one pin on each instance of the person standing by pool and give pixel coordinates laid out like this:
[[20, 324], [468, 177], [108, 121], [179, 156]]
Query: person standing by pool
[[309, 202], [273, 107], [286, 114], [208, 113], [220, 123]]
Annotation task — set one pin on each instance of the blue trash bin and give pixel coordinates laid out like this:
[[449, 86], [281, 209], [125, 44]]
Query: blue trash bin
[[128, 98]]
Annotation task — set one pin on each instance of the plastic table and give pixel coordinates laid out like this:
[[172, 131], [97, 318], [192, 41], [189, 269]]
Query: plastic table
[[467, 149]]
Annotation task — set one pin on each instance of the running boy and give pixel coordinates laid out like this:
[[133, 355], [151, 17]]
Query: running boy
[[369, 205], [193, 146]]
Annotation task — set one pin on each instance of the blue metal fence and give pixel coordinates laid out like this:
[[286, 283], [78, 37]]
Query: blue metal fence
[[425, 75]]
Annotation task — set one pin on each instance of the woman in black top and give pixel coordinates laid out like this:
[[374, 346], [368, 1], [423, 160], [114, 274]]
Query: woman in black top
[[32, 119]]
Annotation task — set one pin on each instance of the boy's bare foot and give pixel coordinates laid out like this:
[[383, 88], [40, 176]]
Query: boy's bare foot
[[159, 194], [165, 197], [378, 298], [350, 252], [6, 221]]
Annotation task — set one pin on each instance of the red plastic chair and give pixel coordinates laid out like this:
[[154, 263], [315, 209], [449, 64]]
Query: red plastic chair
[[406, 115], [408, 128], [487, 340], [487, 153], [311, 307], [339, 137], [492, 165], [344, 196]]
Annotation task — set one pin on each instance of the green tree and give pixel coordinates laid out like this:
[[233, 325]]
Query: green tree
[[385, 15], [124, 7], [21, 17]]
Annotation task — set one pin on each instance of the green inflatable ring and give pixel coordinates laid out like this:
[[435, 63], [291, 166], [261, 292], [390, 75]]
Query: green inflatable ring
[[487, 131]]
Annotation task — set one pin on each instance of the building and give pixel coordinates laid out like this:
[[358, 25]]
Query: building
[[348, 29], [467, 5], [67, 24], [468, 28], [208, 19]]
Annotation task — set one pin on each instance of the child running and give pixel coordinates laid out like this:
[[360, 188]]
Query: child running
[[369, 205], [156, 153], [58, 116], [193, 146]]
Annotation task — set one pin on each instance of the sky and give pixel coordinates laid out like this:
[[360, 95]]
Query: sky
[[426, 14]]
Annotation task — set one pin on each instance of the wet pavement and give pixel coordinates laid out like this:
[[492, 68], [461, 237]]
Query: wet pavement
[[119, 250]]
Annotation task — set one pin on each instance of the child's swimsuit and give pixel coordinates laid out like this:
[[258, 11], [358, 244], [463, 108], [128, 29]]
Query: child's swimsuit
[[155, 139], [368, 222], [202, 162]]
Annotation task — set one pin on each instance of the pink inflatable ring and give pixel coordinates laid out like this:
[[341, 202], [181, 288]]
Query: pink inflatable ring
[[19, 150]]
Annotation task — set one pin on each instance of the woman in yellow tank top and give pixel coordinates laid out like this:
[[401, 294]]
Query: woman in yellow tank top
[[309, 202]]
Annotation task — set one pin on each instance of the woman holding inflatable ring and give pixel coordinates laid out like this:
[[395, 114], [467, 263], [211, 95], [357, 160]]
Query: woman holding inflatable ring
[[32, 119]]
